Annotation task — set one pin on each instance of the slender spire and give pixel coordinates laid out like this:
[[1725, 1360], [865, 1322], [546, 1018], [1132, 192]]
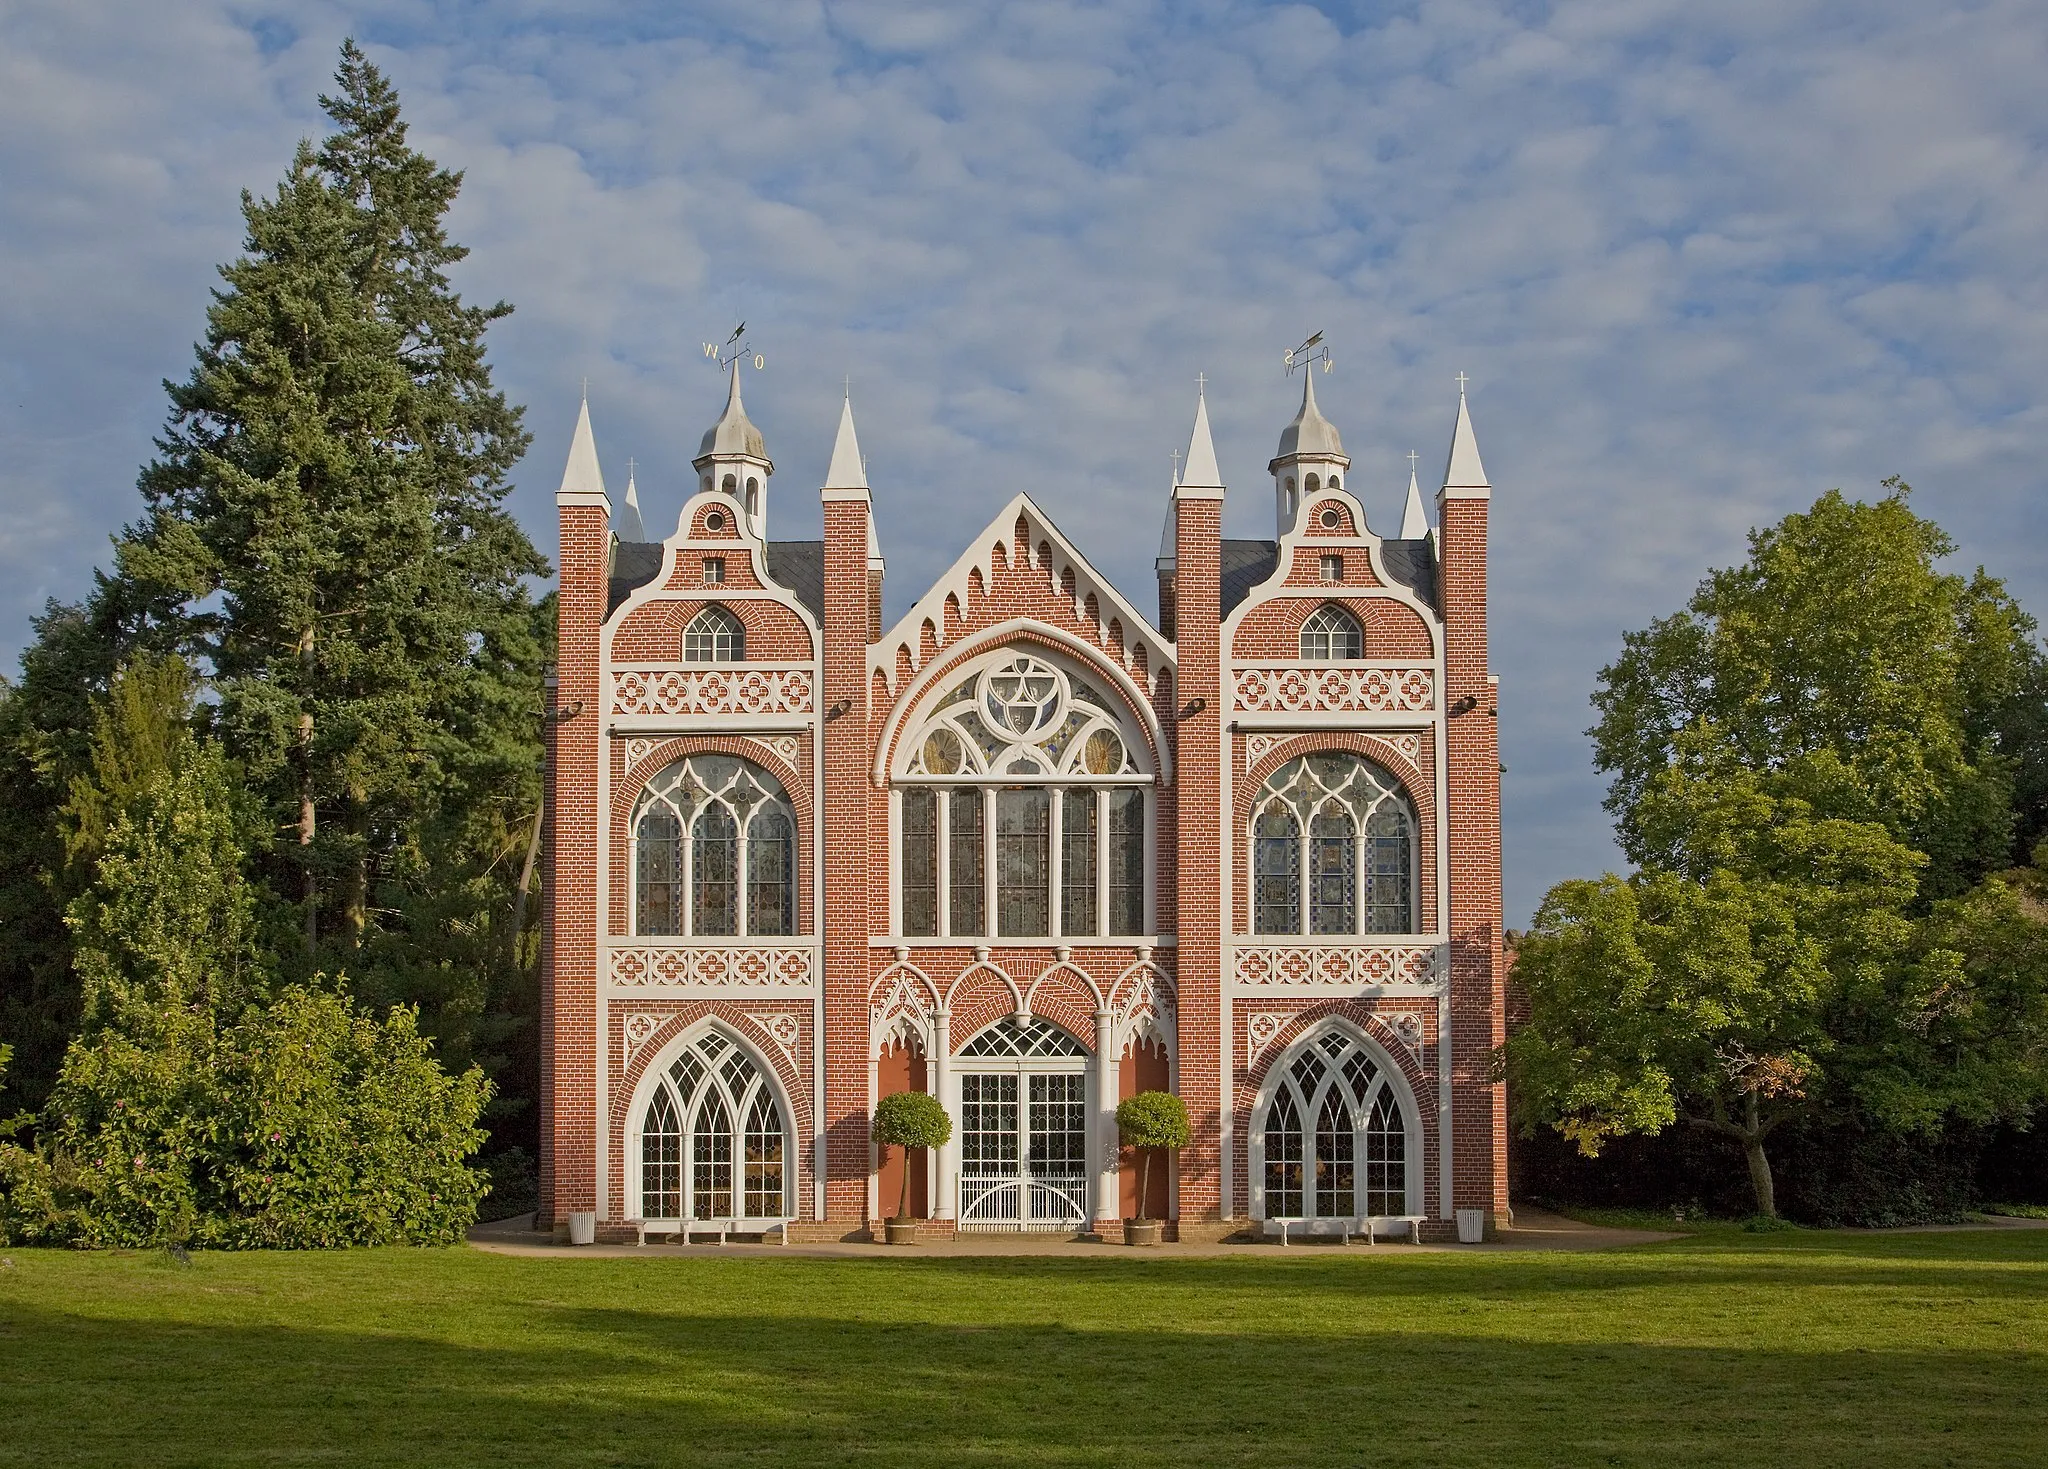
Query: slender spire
[[1463, 471], [848, 472], [581, 476], [1201, 472], [1414, 519], [1169, 548], [627, 524]]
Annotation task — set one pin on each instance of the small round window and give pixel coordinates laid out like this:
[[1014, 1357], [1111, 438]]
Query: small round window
[[715, 520], [1332, 517]]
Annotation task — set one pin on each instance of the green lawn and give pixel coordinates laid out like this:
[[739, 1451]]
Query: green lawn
[[1805, 1349]]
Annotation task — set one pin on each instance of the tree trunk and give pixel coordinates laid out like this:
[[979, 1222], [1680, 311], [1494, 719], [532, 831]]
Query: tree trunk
[[356, 906], [903, 1198], [1144, 1182], [308, 812], [540, 811], [1759, 1165]]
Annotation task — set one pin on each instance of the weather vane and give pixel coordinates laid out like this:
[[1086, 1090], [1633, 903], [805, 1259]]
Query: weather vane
[[1308, 354], [736, 347]]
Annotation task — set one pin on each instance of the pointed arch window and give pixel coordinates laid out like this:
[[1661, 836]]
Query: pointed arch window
[[1331, 635], [735, 875], [717, 1105], [1329, 1110], [1308, 822], [1023, 809], [714, 636]]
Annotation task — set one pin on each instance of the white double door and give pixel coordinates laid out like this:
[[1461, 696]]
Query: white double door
[[1023, 1148]]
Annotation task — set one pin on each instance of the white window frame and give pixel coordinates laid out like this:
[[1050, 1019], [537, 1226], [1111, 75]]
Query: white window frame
[[1102, 713], [1392, 790], [1390, 1080], [777, 798], [656, 1076]]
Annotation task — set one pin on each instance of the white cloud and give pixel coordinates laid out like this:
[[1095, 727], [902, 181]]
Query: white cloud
[[1702, 263]]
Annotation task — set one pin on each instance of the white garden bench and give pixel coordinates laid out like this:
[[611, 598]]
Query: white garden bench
[[723, 1227], [1371, 1226]]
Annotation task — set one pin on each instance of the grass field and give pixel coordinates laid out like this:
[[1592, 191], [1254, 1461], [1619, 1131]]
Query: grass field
[[1805, 1349]]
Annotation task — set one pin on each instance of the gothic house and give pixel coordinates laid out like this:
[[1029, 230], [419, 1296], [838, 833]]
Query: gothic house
[[1028, 849]]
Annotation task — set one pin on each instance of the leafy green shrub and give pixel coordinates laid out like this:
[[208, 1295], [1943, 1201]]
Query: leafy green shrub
[[1149, 1121], [194, 1108], [909, 1120]]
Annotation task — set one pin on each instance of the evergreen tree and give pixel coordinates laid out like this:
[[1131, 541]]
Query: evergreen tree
[[325, 535]]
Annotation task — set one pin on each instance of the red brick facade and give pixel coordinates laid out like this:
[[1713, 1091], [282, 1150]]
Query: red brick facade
[[1029, 871]]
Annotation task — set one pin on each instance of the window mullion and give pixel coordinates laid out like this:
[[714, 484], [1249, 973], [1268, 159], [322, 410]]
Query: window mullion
[[686, 864], [1055, 862], [991, 921], [1305, 884], [942, 857]]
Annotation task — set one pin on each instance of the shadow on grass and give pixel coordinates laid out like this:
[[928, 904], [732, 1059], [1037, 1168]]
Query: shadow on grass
[[518, 1382]]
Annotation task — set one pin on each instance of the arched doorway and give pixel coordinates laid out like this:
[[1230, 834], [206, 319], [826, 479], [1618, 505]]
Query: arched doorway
[[1022, 1108]]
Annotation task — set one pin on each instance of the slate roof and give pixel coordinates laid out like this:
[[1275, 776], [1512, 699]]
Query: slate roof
[[1248, 563], [800, 566]]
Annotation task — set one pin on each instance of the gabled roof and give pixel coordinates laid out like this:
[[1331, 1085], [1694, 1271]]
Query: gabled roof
[[798, 566], [1111, 603], [1247, 564]]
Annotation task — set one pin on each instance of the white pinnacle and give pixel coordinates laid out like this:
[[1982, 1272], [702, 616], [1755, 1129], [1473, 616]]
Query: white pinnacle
[[628, 522], [1201, 472], [1414, 519], [1169, 545], [581, 476], [848, 472], [1463, 471]]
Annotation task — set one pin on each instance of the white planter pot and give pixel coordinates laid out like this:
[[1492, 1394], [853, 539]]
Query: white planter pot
[[1471, 1226], [582, 1226]]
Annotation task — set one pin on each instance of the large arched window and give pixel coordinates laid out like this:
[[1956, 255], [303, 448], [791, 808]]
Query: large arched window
[[1332, 1136], [1331, 635], [1333, 849], [714, 1140], [714, 851], [714, 636], [1022, 809]]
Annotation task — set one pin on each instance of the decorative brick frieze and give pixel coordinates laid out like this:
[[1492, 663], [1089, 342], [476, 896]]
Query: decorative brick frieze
[[702, 691], [1280, 689], [1353, 966], [699, 964]]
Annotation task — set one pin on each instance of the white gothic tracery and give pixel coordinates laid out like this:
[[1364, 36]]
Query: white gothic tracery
[[1333, 849], [714, 851], [1021, 799]]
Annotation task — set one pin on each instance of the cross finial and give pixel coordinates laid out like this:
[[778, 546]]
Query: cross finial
[[1176, 466], [1202, 384], [1412, 457], [1462, 380], [629, 469], [586, 392], [847, 382]]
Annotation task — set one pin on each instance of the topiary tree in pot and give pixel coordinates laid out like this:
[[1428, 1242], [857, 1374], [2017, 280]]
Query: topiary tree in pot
[[909, 1120], [1149, 1121]]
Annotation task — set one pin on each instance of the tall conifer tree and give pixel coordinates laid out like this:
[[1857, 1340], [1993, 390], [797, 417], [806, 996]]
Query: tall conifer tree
[[325, 538]]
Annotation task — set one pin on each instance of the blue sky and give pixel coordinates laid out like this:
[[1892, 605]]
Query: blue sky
[[1700, 262]]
